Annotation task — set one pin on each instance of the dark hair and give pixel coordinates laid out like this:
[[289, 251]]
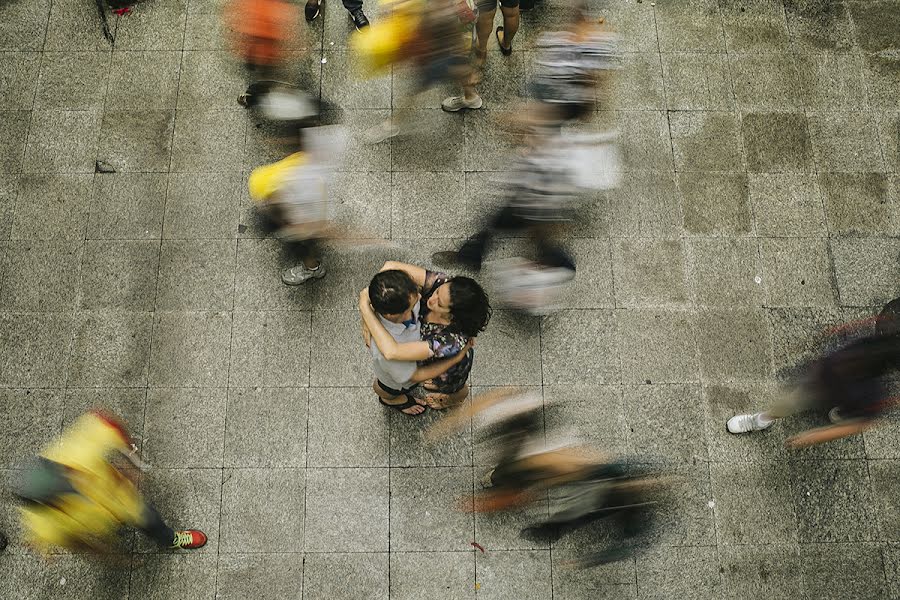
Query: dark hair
[[389, 292], [470, 309]]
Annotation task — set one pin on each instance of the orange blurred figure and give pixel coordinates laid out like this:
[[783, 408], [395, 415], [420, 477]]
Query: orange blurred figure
[[261, 28]]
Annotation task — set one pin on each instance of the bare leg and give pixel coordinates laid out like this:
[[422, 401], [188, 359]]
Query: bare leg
[[510, 25], [439, 401]]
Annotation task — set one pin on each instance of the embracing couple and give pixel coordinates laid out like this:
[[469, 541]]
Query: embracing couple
[[420, 327]]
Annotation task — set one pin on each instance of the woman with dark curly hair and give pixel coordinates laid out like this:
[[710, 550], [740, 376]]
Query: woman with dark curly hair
[[453, 311]]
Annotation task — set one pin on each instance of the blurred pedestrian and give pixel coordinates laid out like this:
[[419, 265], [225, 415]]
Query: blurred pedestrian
[[454, 310], [354, 9], [78, 493], [389, 308], [847, 383]]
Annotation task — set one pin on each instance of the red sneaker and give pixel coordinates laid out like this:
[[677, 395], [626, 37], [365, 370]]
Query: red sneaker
[[189, 539]]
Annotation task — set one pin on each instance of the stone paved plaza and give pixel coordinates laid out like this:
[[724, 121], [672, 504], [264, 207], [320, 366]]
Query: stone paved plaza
[[760, 205]]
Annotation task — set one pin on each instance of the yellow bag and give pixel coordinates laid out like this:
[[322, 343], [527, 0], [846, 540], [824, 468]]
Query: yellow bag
[[384, 43], [268, 179]]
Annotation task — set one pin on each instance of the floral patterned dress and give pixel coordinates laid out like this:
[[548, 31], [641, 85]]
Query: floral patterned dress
[[443, 344]]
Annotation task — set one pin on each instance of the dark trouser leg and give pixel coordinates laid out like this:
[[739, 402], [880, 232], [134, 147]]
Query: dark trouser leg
[[352, 5], [473, 251], [554, 255], [155, 528], [306, 252]]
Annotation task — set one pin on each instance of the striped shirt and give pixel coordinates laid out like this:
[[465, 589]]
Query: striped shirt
[[566, 66]]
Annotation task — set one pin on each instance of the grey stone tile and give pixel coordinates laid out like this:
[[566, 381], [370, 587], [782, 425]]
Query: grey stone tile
[[52, 207], [596, 413], [819, 25], [18, 79], [874, 29], [884, 474], [723, 271], [756, 26], [190, 349], [767, 81], [75, 576], [257, 279], [270, 348], [143, 80], [657, 346], [488, 145], [845, 141], [205, 29], [434, 147], [723, 401], [9, 189], [417, 197], [881, 442], [761, 571], [208, 140], [694, 26], [157, 577], [593, 287], [842, 571], [787, 204], [565, 330], [584, 584], [156, 27], [23, 25], [209, 80], [449, 575], [651, 430], [262, 510], [801, 334], [422, 513], [127, 206], [834, 501], [119, 275], [328, 429], [40, 276], [110, 349], [30, 419], [137, 142], [263, 576], [342, 86], [347, 510], [266, 427], [72, 80], [706, 141], [753, 503], [186, 498], [735, 344], [891, 563], [196, 275], [502, 81], [360, 155], [635, 23], [889, 135], [715, 203], [356, 576], [692, 572], [776, 142], [34, 349], [642, 88], [833, 81], [697, 81], [509, 351], [202, 205], [345, 348], [646, 204], [858, 204], [866, 270], [649, 272], [683, 516], [796, 272], [363, 201], [644, 137], [62, 141], [882, 78], [513, 574], [73, 25], [127, 404], [171, 413], [14, 129], [409, 448]]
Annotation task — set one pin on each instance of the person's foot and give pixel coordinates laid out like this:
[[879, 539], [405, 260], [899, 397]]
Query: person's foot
[[835, 416], [3, 542], [383, 131], [414, 406], [506, 50], [747, 423], [360, 20], [457, 103], [189, 539], [312, 10], [243, 100], [301, 274], [487, 480]]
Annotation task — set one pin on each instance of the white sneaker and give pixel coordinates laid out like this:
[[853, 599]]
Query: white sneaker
[[300, 274], [747, 423], [457, 103], [381, 132]]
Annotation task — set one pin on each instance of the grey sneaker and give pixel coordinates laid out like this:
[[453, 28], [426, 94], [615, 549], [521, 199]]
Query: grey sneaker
[[457, 103], [381, 132], [300, 274]]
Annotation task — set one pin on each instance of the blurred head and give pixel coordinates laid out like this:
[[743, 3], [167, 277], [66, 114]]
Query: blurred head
[[464, 304], [888, 322], [392, 293]]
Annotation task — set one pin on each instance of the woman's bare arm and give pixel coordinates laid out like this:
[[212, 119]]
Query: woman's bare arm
[[417, 274]]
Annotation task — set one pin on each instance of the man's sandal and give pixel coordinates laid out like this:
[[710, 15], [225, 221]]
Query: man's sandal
[[408, 404]]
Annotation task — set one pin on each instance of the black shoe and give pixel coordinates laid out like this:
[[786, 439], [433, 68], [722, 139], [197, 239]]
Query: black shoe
[[3, 542], [359, 19], [312, 10]]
